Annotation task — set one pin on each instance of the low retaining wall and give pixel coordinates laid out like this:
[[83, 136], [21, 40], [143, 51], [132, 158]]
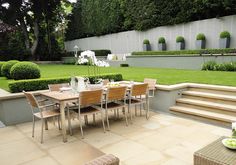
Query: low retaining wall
[[176, 62], [14, 108]]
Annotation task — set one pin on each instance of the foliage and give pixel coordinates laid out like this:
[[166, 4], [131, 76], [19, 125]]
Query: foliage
[[226, 66], [146, 41], [124, 65], [6, 68], [209, 65], [201, 36], [225, 34], [187, 52], [100, 52], [179, 39], [97, 17], [161, 40], [41, 84], [25, 70], [1, 64]]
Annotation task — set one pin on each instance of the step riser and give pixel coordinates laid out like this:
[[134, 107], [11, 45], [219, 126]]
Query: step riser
[[209, 99], [203, 116], [229, 93], [207, 109], [207, 120]]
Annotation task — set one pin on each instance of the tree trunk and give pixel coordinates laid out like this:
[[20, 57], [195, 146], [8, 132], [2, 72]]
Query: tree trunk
[[36, 41], [25, 32]]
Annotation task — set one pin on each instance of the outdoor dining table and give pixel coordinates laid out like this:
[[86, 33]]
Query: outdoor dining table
[[64, 97]]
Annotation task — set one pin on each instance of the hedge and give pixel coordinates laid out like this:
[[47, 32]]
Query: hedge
[[100, 52], [100, 17], [42, 84], [25, 70], [213, 66], [1, 64], [187, 52], [6, 68]]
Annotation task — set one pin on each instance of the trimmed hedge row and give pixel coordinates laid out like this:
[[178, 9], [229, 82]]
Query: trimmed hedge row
[[101, 52], [187, 52], [41, 84]]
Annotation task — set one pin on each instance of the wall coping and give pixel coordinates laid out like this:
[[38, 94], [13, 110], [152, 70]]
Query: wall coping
[[158, 87], [182, 55]]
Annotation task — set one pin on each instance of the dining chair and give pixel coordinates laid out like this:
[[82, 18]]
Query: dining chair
[[89, 103], [115, 100], [135, 97], [151, 86], [43, 112], [105, 81]]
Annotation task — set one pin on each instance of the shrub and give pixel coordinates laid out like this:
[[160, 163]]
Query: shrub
[[187, 52], [209, 65], [201, 36], [41, 84], [179, 39], [146, 41], [124, 65], [6, 68], [1, 64], [161, 40], [225, 34], [25, 70]]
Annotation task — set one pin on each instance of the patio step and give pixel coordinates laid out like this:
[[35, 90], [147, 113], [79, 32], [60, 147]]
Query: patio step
[[209, 95], [205, 114], [207, 104]]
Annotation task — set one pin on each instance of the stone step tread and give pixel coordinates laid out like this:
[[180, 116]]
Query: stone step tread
[[208, 104], [210, 95], [203, 113]]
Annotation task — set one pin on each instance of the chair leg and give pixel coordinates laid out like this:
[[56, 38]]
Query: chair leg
[[94, 119], [118, 116], [58, 121], [140, 106], [135, 110], [125, 112], [69, 121], [46, 124], [104, 129], [42, 128], [130, 113], [147, 111], [81, 127], [115, 114], [86, 119], [107, 117], [33, 126]]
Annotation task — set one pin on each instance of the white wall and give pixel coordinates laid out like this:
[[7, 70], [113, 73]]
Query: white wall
[[126, 42]]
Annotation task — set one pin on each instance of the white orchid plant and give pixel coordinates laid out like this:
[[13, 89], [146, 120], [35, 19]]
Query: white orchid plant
[[88, 58]]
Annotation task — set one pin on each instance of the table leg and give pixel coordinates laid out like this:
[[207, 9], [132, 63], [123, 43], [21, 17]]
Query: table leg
[[63, 125]]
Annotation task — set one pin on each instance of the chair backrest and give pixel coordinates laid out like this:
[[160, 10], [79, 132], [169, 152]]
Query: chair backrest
[[151, 83], [116, 93], [56, 87], [31, 99], [90, 97], [105, 81], [139, 89]]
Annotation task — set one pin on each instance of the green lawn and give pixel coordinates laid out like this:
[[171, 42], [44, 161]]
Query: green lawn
[[163, 76]]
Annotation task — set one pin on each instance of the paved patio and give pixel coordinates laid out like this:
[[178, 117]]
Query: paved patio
[[162, 140]]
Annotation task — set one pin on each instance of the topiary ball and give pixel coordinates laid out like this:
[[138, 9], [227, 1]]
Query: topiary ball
[[6, 67], [1, 64], [25, 70], [146, 41], [179, 39], [161, 40], [201, 36], [225, 34]]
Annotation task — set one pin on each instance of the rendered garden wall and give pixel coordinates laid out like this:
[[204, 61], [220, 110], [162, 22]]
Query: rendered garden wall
[[126, 42]]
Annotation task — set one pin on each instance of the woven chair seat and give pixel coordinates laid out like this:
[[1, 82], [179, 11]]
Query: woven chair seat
[[107, 159]]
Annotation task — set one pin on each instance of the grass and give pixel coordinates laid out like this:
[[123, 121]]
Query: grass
[[163, 76]]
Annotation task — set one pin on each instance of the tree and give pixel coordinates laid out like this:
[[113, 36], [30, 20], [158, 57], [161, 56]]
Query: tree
[[37, 20]]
